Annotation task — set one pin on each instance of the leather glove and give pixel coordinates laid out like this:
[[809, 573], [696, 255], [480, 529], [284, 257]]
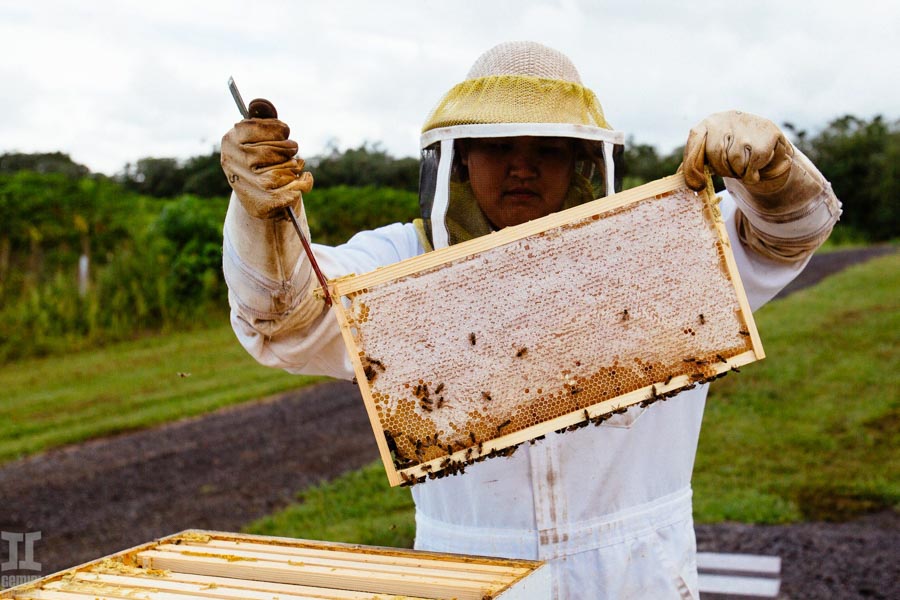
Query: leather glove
[[741, 146], [787, 208], [259, 161]]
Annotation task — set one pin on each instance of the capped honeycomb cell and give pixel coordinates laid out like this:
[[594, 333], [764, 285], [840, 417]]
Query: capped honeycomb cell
[[464, 353]]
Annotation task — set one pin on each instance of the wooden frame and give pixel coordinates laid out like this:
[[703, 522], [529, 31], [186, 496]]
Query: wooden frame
[[396, 310], [208, 564]]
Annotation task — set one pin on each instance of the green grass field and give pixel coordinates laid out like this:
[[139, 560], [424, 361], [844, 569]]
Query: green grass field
[[809, 433], [70, 398]]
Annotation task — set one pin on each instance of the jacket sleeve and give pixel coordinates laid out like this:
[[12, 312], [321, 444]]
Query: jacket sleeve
[[761, 277], [305, 343]]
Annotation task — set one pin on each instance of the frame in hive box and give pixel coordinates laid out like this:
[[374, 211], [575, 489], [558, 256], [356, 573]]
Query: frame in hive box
[[463, 353], [210, 564]]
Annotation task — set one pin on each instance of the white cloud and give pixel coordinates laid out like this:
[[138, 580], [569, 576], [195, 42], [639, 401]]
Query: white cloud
[[110, 82]]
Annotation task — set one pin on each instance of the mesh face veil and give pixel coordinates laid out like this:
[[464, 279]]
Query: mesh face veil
[[520, 138]]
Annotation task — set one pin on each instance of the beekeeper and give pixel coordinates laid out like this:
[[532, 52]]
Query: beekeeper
[[520, 138]]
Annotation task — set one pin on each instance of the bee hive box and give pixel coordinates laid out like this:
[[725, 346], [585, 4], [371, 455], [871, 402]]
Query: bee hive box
[[207, 564], [463, 353]]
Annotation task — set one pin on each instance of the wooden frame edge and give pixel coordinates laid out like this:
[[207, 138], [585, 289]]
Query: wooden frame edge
[[347, 285]]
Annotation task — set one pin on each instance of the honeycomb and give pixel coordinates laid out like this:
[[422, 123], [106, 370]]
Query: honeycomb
[[465, 360]]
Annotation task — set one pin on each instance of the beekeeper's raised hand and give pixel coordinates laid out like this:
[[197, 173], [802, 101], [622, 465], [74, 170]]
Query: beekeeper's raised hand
[[262, 254], [261, 165], [788, 205]]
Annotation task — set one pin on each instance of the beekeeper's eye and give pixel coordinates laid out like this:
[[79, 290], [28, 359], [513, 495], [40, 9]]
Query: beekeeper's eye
[[554, 147], [496, 145]]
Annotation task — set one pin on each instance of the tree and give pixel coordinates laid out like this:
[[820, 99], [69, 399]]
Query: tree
[[643, 163], [158, 177], [203, 176], [860, 158], [42, 162], [364, 166]]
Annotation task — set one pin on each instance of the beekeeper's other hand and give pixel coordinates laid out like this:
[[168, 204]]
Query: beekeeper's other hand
[[748, 148], [787, 207]]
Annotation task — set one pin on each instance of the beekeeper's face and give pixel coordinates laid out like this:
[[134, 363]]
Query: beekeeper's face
[[517, 179]]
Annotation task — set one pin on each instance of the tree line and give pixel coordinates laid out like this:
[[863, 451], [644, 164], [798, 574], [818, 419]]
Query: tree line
[[151, 234], [859, 156]]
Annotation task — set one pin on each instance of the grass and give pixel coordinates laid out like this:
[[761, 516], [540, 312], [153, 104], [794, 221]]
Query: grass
[[809, 433], [812, 432], [54, 401], [357, 507]]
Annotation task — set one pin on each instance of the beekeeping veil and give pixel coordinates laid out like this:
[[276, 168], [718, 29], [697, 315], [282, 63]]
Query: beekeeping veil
[[513, 89]]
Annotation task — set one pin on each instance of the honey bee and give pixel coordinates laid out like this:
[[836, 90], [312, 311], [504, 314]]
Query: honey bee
[[587, 415], [625, 315], [668, 379], [575, 390], [371, 367], [521, 352], [472, 338], [744, 332], [472, 436], [721, 358], [702, 319], [503, 424], [486, 396], [735, 369], [689, 360], [440, 401], [438, 389]]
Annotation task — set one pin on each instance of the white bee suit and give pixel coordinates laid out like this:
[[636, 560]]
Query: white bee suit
[[608, 506]]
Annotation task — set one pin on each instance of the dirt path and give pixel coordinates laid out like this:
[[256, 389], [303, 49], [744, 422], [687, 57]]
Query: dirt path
[[223, 470]]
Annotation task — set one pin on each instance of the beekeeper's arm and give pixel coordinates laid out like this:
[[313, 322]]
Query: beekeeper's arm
[[786, 208], [270, 280]]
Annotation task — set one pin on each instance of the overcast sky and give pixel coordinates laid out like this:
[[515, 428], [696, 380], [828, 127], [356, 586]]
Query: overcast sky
[[110, 82]]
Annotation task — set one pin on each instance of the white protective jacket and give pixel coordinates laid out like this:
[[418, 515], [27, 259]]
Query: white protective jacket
[[609, 507]]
